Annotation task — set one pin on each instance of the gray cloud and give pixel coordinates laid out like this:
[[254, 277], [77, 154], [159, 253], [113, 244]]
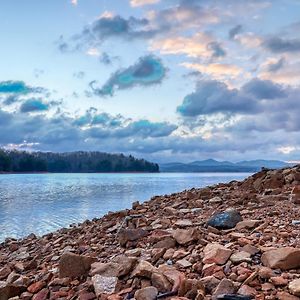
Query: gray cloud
[[280, 45], [235, 31], [149, 70]]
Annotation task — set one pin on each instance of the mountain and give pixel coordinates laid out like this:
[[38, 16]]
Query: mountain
[[72, 162], [211, 165]]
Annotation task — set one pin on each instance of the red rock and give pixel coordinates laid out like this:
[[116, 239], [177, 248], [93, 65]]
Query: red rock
[[148, 293], [282, 258], [246, 290], [216, 253], [224, 287], [41, 295], [36, 286], [185, 236], [73, 265], [4, 272], [126, 235]]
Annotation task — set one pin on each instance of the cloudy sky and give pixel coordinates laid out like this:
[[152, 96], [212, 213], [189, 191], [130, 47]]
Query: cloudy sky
[[167, 80]]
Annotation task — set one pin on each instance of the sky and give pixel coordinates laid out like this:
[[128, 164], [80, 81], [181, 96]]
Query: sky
[[166, 80]]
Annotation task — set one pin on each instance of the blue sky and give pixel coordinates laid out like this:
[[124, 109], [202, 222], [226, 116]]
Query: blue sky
[[168, 80]]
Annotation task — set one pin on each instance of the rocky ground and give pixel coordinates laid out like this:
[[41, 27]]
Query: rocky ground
[[239, 240]]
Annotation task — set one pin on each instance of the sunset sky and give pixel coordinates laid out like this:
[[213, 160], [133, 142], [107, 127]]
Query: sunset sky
[[167, 80]]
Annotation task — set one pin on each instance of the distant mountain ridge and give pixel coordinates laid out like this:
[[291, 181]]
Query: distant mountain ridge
[[211, 165]]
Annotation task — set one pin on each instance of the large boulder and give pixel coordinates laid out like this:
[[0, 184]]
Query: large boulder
[[225, 220], [283, 258], [73, 265]]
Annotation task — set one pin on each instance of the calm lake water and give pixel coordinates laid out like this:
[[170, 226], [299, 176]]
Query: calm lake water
[[41, 203]]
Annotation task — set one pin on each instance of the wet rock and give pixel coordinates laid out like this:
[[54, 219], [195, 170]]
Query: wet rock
[[104, 285], [73, 265], [148, 293], [282, 258], [225, 220]]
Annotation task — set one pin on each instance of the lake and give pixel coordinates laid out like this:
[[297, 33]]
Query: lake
[[41, 203]]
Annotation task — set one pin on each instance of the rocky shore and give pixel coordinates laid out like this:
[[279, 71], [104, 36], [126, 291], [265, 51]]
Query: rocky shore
[[239, 240]]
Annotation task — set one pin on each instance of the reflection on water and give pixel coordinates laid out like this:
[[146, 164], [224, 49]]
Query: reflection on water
[[41, 203]]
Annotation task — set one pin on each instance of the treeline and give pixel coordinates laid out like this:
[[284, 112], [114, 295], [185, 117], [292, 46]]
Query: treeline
[[72, 162]]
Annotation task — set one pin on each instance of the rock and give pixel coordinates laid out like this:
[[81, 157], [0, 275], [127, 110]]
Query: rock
[[226, 286], [104, 285], [41, 295], [126, 235], [283, 258], [8, 290], [167, 243], [147, 293], [185, 236], [286, 296], [294, 287], [120, 266], [189, 288], [247, 224], [216, 253], [4, 272], [246, 290], [183, 263], [73, 265], [210, 283], [161, 282], [144, 269], [239, 257], [225, 220], [234, 297], [35, 287]]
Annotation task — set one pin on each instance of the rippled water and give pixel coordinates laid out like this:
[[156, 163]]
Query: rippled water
[[41, 203]]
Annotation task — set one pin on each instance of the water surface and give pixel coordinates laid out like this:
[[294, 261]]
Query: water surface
[[41, 203]]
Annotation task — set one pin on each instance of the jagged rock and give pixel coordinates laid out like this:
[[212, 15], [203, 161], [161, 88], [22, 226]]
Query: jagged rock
[[41, 295], [283, 258], [73, 265], [167, 243], [126, 235], [234, 297], [144, 269], [147, 293], [216, 253], [104, 285], [8, 290], [185, 236], [4, 272], [225, 220], [225, 287], [294, 287], [161, 282], [239, 257]]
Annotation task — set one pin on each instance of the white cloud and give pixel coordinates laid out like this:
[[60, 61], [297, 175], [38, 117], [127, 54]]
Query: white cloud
[[136, 3], [74, 2]]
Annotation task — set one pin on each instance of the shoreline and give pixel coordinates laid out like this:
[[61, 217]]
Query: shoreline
[[165, 246]]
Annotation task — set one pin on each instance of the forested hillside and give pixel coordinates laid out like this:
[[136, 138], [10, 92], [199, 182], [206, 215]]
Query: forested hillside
[[72, 162]]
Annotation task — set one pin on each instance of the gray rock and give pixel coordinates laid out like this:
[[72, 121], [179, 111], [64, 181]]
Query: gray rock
[[225, 220]]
